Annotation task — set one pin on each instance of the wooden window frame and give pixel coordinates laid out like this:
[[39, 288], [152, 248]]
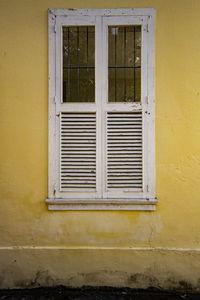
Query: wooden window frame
[[144, 200]]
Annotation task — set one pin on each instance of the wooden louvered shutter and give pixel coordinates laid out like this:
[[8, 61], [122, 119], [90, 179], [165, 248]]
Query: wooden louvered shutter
[[124, 151], [78, 151]]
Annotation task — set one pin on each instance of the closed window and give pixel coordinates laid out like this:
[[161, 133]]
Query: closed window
[[101, 109]]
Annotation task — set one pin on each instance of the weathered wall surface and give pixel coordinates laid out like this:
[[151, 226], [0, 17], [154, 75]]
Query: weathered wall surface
[[137, 249]]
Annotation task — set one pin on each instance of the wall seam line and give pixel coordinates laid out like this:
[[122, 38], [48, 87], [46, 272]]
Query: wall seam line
[[99, 248]]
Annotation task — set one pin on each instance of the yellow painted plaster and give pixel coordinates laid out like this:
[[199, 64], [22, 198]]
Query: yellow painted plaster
[[24, 219]]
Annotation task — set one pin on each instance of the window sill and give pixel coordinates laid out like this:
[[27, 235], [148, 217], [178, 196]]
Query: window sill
[[102, 204]]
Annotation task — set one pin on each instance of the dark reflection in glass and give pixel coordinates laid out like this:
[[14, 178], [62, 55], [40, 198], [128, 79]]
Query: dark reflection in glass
[[124, 63], [79, 64]]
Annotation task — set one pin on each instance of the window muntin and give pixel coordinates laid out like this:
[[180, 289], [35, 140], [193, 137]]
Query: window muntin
[[78, 64], [124, 63]]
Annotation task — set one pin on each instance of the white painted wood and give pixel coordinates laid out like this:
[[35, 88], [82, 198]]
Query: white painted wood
[[103, 12], [101, 19], [113, 201], [52, 108], [98, 97], [80, 107], [151, 105], [144, 96], [124, 20], [102, 204], [124, 107], [71, 188], [128, 207]]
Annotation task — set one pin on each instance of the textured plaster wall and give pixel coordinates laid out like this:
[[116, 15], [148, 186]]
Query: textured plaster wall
[[25, 221]]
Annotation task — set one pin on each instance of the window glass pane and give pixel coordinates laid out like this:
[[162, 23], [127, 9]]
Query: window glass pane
[[78, 64], [124, 63]]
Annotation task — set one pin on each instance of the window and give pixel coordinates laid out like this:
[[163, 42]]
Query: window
[[101, 109]]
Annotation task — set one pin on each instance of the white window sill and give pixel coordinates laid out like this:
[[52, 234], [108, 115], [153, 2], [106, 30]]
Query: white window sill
[[102, 204]]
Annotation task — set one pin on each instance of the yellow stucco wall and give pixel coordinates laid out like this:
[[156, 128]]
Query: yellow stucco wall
[[95, 248]]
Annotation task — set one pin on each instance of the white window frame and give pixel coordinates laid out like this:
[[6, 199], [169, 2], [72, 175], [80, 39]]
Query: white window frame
[[101, 18]]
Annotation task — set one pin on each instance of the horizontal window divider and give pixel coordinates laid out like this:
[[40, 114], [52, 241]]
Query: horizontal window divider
[[123, 107], [93, 67], [87, 107]]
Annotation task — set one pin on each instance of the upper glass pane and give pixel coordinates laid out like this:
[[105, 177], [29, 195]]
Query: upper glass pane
[[79, 64], [124, 63]]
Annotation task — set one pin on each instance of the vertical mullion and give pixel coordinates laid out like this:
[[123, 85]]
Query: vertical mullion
[[99, 92], [134, 62], [115, 64], [78, 64], [124, 63], [87, 65], [68, 82]]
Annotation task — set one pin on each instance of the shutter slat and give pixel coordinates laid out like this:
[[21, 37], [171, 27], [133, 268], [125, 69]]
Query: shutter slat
[[77, 158], [73, 152], [66, 150], [78, 121], [81, 134], [123, 138], [115, 123], [78, 151], [124, 173], [133, 140], [123, 159], [77, 143], [78, 179], [127, 129], [124, 150], [111, 146], [80, 165], [78, 137], [79, 172], [122, 180], [132, 163], [124, 154], [77, 131], [122, 186], [125, 133], [124, 169], [82, 155]]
